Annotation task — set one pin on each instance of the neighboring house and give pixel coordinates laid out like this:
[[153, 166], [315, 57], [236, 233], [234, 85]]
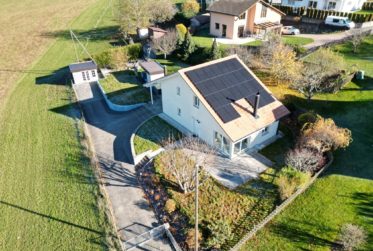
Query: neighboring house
[[223, 103], [337, 5], [238, 18], [84, 72], [152, 71]]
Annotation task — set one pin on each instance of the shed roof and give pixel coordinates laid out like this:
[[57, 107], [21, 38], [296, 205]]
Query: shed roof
[[83, 66], [152, 67], [157, 29]]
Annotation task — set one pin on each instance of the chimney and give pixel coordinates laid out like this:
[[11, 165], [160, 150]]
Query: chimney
[[256, 105]]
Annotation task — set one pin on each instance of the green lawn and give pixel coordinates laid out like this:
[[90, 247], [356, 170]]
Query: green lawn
[[49, 197], [124, 88], [364, 12], [202, 38], [172, 64], [152, 133], [345, 193], [289, 40]]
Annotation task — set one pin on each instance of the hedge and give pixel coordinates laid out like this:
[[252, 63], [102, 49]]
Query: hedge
[[322, 14], [115, 57], [368, 6]]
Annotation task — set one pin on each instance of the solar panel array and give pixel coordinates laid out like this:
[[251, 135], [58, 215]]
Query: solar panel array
[[225, 82]]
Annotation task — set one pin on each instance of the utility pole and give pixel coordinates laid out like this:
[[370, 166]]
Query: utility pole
[[196, 210]]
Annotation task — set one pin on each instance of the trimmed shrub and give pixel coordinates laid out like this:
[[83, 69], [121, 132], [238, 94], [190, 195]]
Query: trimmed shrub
[[220, 232], [103, 59], [170, 206], [181, 30], [134, 51], [307, 117], [352, 237]]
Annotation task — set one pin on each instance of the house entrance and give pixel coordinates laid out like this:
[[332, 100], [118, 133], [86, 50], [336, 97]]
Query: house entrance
[[241, 31], [224, 32]]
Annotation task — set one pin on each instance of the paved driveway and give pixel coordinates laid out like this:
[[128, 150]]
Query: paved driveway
[[111, 132]]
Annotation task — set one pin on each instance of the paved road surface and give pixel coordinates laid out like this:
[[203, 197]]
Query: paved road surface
[[111, 132]]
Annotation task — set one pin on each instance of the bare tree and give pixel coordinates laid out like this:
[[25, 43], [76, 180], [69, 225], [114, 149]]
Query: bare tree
[[181, 158], [352, 237], [310, 81], [246, 55], [166, 44], [162, 11], [303, 160], [356, 40]]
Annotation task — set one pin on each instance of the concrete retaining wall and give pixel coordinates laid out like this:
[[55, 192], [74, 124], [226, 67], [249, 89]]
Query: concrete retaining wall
[[115, 107]]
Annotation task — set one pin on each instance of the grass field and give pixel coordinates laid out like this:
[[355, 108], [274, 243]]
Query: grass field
[[345, 193], [49, 198]]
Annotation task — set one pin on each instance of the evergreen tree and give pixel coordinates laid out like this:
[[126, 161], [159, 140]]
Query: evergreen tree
[[215, 52], [188, 47]]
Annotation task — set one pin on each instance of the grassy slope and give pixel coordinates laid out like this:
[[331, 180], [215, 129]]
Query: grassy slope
[[345, 193], [48, 195]]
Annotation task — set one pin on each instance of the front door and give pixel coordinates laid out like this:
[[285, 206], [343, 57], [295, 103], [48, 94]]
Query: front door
[[241, 31], [224, 32]]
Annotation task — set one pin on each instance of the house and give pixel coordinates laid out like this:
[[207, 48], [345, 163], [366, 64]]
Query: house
[[223, 103], [155, 32], [84, 72], [238, 18], [336, 5], [152, 71]]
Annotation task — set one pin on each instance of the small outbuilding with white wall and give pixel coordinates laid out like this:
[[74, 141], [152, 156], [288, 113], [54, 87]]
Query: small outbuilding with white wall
[[84, 72]]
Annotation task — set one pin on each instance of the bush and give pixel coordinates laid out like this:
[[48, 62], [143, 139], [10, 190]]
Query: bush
[[170, 206], [307, 117], [289, 180], [119, 58], [304, 160], [220, 232], [103, 60], [181, 31], [190, 238], [352, 237], [134, 51], [190, 8]]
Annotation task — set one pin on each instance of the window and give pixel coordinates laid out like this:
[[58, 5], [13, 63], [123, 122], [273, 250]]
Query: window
[[196, 102], [221, 142], [87, 75], [332, 5], [265, 130], [178, 111], [217, 26], [264, 11], [312, 4], [242, 16], [291, 2], [83, 74], [178, 91], [93, 73], [335, 20]]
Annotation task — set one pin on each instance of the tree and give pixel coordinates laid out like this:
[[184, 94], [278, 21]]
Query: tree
[[215, 52], [284, 64], [135, 14], [166, 44], [352, 237], [329, 61], [190, 8], [303, 159], [310, 81], [269, 47], [188, 47], [356, 40], [181, 158], [246, 55], [324, 135]]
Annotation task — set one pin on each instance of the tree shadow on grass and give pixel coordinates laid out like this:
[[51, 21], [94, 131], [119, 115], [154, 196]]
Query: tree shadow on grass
[[364, 205], [98, 34]]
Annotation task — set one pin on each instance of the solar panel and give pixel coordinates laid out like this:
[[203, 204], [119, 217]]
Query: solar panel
[[225, 82]]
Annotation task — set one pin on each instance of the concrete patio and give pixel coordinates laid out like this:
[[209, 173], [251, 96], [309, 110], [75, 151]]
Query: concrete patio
[[237, 171]]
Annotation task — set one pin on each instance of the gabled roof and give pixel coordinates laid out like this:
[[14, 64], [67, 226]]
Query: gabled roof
[[237, 7], [152, 67], [228, 82], [83, 66], [157, 29]]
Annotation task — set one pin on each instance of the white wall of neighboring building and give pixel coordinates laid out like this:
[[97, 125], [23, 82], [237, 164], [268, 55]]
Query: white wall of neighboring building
[[207, 125], [90, 76], [341, 5], [221, 19], [152, 77], [272, 16]]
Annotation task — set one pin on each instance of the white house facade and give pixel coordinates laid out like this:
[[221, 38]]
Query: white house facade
[[84, 72], [190, 110], [337, 5]]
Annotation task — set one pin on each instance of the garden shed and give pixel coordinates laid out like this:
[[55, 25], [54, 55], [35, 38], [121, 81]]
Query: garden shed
[[84, 72], [152, 71]]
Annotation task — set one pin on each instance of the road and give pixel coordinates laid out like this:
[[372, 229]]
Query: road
[[110, 133]]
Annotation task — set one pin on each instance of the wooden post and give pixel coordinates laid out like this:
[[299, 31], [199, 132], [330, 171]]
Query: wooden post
[[151, 94], [196, 211]]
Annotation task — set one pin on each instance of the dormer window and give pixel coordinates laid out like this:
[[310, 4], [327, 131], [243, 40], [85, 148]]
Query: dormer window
[[242, 16]]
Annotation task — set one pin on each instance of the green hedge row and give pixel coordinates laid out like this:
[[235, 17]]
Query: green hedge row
[[322, 14], [368, 6], [117, 57]]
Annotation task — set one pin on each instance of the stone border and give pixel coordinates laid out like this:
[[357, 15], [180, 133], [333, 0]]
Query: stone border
[[115, 107], [281, 207]]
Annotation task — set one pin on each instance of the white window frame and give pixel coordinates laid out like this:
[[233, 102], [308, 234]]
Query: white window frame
[[93, 73], [83, 75], [87, 75], [196, 101], [265, 130]]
